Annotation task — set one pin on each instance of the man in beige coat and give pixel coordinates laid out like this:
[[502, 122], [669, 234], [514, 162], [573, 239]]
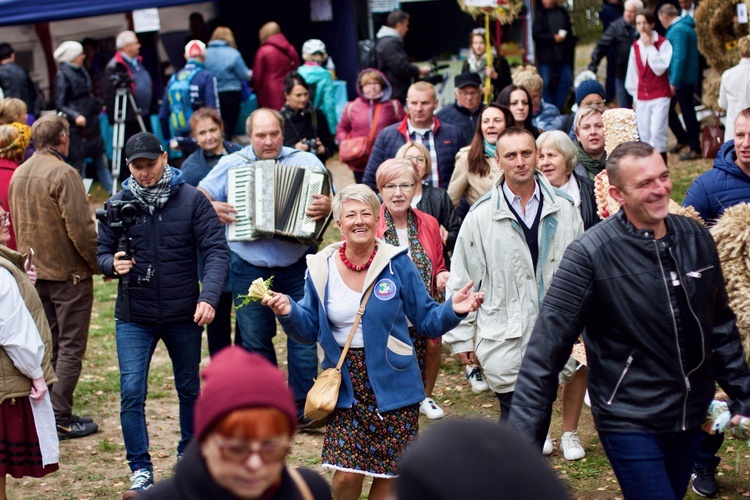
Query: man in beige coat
[[510, 245], [52, 215]]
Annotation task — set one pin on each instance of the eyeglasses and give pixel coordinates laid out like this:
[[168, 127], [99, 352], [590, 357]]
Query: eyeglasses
[[470, 93], [391, 188], [5, 219], [240, 451], [418, 159]]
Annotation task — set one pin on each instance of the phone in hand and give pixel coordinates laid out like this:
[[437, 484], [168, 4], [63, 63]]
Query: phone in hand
[[29, 260]]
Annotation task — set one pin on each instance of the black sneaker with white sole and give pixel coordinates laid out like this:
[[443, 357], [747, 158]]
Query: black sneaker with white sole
[[76, 429], [704, 482]]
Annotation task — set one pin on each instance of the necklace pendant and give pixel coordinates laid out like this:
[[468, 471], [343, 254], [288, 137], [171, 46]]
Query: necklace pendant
[[359, 268]]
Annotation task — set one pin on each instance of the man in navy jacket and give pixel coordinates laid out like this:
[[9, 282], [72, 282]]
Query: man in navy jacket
[[420, 125], [161, 298]]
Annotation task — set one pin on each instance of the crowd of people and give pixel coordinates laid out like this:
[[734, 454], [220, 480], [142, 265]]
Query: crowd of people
[[473, 227]]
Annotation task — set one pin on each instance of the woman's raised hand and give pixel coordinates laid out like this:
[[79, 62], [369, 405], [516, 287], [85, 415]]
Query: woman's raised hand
[[279, 303], [465, 301]]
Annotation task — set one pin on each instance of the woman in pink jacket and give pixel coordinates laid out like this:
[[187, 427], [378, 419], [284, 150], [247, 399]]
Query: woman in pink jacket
[[374, 92]]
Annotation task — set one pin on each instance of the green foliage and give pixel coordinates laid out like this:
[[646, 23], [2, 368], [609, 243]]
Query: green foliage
[[585, 18]]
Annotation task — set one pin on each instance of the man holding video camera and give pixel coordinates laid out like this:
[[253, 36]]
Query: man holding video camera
[[149, 237]]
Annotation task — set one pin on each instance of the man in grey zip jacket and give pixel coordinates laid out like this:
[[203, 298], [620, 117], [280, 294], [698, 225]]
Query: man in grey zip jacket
[[646, 289]]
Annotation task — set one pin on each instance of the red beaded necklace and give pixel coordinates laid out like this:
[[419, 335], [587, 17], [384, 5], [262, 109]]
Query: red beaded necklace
[[354, 267]]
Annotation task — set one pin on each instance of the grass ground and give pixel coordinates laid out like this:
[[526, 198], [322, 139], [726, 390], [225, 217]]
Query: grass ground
[[95, 467]]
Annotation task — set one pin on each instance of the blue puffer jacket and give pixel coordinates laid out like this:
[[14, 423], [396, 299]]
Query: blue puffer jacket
[[448, 140], [167, 242], [683, 68], [719, 188], [548, 118], [195, 168], [462, 118], [399, 293], [325, 99]]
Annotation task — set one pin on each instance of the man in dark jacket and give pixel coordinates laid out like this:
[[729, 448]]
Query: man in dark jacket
[[725, 185], [442, 140], [200, 89], [465, 112], [391, 56], [646, 289], [683, 75], [555, 46], [74, 97], [728, 183], [126, 70], [16, 82], [620, 35], [167, 222]]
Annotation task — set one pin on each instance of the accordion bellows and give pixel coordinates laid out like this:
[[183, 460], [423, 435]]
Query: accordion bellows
[[271, 200]]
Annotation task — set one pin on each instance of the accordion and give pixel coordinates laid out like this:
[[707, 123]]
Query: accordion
[[271, 200]]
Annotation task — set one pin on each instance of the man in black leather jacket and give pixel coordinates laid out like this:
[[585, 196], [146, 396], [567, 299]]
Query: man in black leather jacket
[[646, 289]]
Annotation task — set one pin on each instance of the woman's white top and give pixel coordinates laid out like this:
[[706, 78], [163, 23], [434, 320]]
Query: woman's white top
[[342, 305], [571, 188]]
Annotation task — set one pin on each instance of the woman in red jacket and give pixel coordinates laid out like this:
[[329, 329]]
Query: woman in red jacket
[[374, 92], [403, 226], [13, 142]]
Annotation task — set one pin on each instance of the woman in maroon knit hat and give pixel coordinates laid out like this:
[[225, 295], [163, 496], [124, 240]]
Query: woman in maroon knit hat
[[245, 419]]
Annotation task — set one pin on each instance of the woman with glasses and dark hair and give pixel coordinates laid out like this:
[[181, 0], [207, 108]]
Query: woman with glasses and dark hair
[[245, 419]]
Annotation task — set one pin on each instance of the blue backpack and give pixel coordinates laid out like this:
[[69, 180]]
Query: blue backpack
[[180, 103]]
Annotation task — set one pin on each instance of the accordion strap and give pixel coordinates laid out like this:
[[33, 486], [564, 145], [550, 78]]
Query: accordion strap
[[360, 312]]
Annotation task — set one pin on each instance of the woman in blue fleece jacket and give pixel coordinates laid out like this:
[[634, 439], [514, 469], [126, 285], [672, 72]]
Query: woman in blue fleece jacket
[[377, 413]]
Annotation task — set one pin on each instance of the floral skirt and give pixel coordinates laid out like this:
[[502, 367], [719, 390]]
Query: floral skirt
[[20, 455], [360, 440], [420, 349]]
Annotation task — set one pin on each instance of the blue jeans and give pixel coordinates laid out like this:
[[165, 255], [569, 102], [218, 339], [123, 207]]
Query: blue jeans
[[135, 346], [649, 465], [624, 100], [710, 446], [258, 323], [559, 94], [102, 172]]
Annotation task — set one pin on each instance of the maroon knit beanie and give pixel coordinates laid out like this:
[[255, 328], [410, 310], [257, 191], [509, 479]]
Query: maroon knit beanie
[[236, 379]]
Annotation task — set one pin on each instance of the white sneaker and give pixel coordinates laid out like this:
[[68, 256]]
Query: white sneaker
[[547, 448], [476, 378], [587, 399], [571, 446], [430, 408]]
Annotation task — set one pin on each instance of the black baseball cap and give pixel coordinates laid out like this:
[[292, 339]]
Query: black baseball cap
[[143, 145], [467, 79]]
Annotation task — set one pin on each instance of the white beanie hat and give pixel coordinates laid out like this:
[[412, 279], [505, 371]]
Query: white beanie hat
[[67, 51]]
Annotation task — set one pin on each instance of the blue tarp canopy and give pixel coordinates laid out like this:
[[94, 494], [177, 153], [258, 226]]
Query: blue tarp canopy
[[15, 12]]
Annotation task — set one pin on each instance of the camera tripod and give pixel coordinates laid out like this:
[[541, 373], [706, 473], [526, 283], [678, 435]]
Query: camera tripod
[[123, 97]]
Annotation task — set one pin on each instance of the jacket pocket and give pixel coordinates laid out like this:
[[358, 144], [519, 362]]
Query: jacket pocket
[[628, 362], [398, 353]]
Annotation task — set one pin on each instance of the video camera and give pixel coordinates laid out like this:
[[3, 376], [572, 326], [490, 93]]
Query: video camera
[[120, 213], [120, 80], [435, 76]]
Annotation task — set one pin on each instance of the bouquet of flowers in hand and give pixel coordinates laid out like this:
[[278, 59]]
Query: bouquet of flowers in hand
[[258, 290], [718, 421]]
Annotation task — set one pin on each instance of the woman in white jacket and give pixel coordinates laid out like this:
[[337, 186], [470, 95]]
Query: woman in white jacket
[[647, 80]]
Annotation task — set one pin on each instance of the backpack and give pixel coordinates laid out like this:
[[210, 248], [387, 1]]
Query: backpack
[[368, 57], [180, 103]]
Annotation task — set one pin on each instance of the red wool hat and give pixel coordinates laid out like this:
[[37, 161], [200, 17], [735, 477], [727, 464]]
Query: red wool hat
[[236, 379]]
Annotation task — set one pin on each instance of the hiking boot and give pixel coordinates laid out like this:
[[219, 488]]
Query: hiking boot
[[704, 482], [307, 424], [571, 446], [690, 155], [547, 448], [140, 480], [430, 409], [76, 429], [476, 378]]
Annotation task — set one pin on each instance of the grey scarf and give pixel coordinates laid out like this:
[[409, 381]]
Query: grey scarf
[[155, 196]]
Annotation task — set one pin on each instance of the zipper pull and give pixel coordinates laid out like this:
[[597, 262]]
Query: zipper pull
[[377, 412], [687, 383], [673, 277]]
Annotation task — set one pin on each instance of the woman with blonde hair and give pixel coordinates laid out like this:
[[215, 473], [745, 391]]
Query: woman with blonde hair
[[14, 139], [226, 63], [12, 110]]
